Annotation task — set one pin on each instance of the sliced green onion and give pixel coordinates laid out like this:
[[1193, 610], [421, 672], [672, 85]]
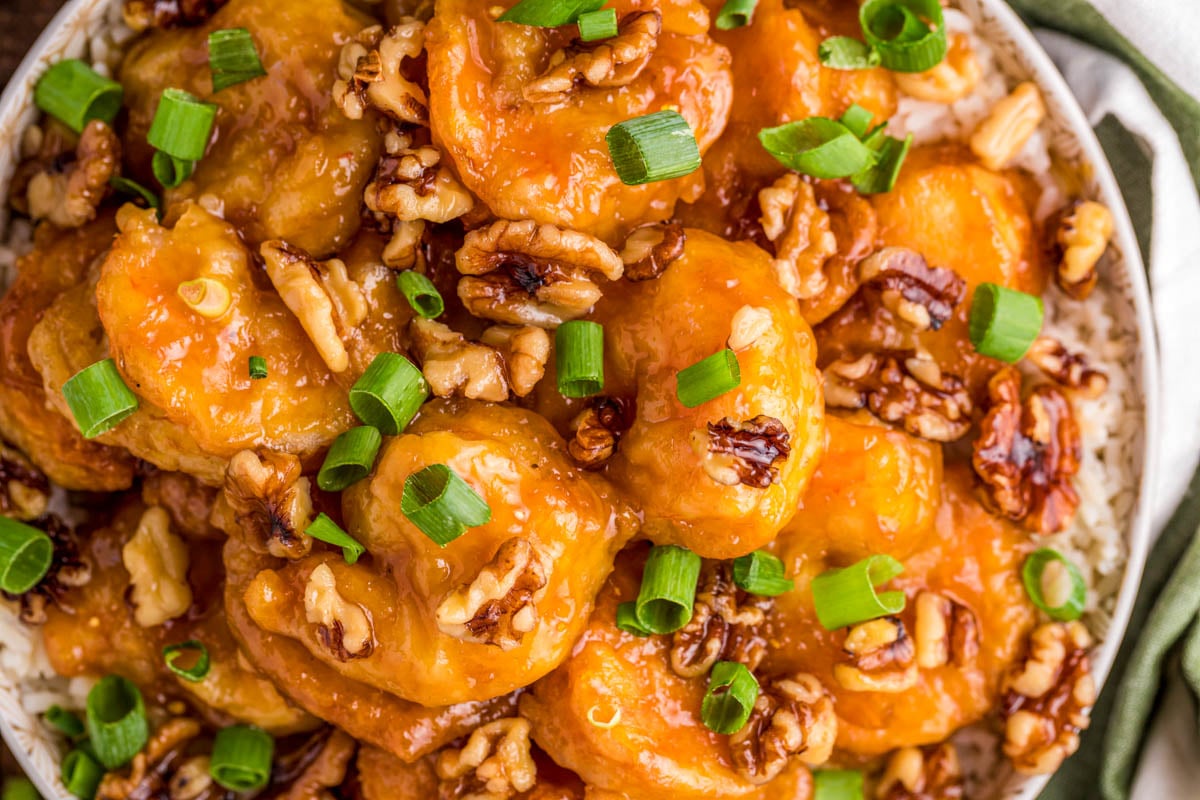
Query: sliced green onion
[[25, 556], [817, 146], [579, 357], [350, 458], [198, 671], [116, 721], [857, 120], [1054, 584], [75, 94], [241, 758], [668, 591], [421, 294], [909, 35], [389, 393], [596, 25], [258, 368], [549, 13], [847, 596], [81, 774], [1004, 322], [171, 171], [656, 147], [708, 378], [442, 504], [182, 125], [232, 58], [732, 691], [19, 789], [881, 176], [837, 784], [326, 530], [735, 14], [761, 573], [98, 398], [134, 189], [627, 619], [66, 722], [844, 52]]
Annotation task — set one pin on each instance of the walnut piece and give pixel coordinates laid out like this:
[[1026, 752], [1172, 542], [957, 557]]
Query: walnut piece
[[882, 658], [607, 63], [142, 15], [413, 183], [650, 249], [999, 137], [525, 348], [1067, 369], [157, 561], [792, 716], [903, 386], [524, 273], [920, 295], [500, 605], [598, 430], [1082, 232], [342, 626], [801, 232], [952, 79], [1028, 452], [24, 490], [922, 773], [749, 325], [150, 772], [69, 197], [371, 74], [508, 359], [748, 452], [726, 625], [271, 501], [1047, 698], [946, 632], [318, 766], [496, 763]]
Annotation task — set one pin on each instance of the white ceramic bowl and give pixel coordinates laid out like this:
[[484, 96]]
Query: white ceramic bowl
[[1071, 140]]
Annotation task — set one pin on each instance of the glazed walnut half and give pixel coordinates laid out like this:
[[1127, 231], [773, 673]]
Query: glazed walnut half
[[69, 195], [748, 452], [793, 716], [1067, 369], [881, 658], [1082, 232], [922, 773], [922, 296], [500, 605], [24, 490], [801, 231], [726, 625], [413, 183], [371, 74], [271, 502], [495, 763], [597, 430], [455, 366], [604, 64]]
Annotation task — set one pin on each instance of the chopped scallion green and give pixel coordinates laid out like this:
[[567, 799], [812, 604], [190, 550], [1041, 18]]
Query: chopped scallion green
[[1054, 584], [708, 378], [442, 504], [596, 25], [182, 125], [233, 58], [25, 556], [81, 775], [844, 52], [579, 358], [241, 758], [908, 35], [627, 619], [549, 13], [817, 146], [847, 596], [837, 784], [326, 530], [116, 721], [98, 398], [201, 663], [732, 692], [656, 147], [762, 574], [735, 14], [421, 294], [66, 722], [258, 368], [75, 94], [1004, 322], [389, 393], [350, 458], [668, 591]]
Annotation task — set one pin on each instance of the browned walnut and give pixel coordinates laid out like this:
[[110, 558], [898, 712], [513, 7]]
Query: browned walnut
[[650, 249], [1082, 231], [24, 490], [921, 295], [509, 359], [607, 63], [882, 658], [726, 625], [801, 232], [947, 632], [371, 74], [922, 773], [343, 627], [68, 195], [319, 765], [598, 430], [1028, 452], [1067, 369], [793, 716], [149, 774], [495, 763], [144, 14], [271, 501], [748, 452], [500, 606], [412, 183]]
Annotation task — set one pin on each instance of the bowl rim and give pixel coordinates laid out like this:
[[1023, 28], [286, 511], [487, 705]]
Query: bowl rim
[[1047, 76]]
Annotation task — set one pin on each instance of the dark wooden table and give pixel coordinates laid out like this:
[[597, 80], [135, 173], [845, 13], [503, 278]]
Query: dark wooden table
[[20, 23]]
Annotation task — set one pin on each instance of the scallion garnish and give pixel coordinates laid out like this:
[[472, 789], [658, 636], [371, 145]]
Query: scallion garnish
[[75, 94], [241, 758], [232, 58], [761, 573], [258, 368], [837, 784], [596, 25], [668, 591], [817, 146], [909, 35], [171, 171], [857, 120], [847, 596], [708, 378], [844, 52], [579, 358], [350, 458], [1004, 322], [656, 147], [442, 504], [389, 393], [1054, 584], [25, 556], [326, 530], [66, 722], [735, 14], [201, 663], [627, 619], [116, 721], [19, 789], [421, 294], [732, 691], [134, 189], [98, 398], [889, 154], [549, 13], [179, 132], [81, 775]]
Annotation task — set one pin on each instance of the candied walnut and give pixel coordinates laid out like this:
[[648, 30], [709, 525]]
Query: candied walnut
[[1008, 127], [157, 561], [792, 716], [371, 74], [650, 249], [907, 387], [921, 295], [946, 632], [495, 763], [1027, 453], [142, 15], [508, 358], [882, 658], [531, 274], [726, 625], [922, 773], [318, 766], [499, 606], [1048, 697], [802, 234], [404, 248], [526, 350], [149, 774], [750, 323], [412, 183], [1067, 369], [192, 780], [597, 432], [952, 79], [68, 570], [747, 452], [24, 490], [607, 63], [69, 196], [271, 501], [1082, 231], [343, 627], [320, 294]]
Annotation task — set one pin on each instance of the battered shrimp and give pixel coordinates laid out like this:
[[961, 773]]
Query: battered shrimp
[[531, 153]]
